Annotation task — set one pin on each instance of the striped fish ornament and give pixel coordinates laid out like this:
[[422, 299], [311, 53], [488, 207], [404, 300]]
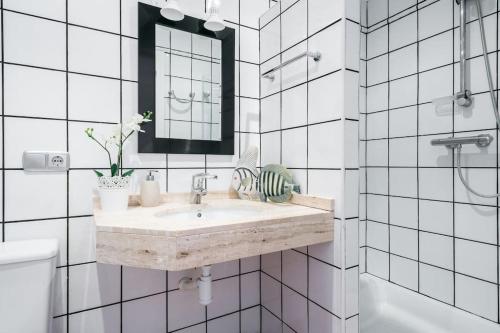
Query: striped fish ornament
[[275, 183], [245, 183]]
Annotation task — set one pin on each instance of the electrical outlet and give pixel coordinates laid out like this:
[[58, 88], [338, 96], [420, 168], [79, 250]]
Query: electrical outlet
[[43, 161]]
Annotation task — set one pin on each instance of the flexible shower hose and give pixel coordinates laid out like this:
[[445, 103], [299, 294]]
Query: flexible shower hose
[[493, 102]]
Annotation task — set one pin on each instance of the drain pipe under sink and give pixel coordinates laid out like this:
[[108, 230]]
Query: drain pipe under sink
[[203, 283]]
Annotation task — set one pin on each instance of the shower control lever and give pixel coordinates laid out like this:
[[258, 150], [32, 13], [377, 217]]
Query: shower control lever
[[481, 140]]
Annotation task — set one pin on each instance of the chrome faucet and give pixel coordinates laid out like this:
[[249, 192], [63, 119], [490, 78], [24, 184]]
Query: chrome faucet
[[198, 186]]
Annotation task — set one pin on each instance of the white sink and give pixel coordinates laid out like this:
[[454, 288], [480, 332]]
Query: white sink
[[208, 213]]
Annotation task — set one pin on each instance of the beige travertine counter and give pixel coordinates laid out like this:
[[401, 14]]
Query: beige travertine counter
[[172, 236]]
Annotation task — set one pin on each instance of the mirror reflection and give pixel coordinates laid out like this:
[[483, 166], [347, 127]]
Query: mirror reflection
[[188, 85]]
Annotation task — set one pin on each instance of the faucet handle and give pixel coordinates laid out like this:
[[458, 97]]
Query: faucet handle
[[198, 179]]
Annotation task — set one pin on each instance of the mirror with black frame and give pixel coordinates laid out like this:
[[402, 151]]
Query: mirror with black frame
[[186, 78]]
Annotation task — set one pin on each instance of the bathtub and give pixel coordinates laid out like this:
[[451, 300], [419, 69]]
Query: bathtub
[[388, 308]]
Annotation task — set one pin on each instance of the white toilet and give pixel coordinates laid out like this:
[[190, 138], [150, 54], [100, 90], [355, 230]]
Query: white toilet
[[27, 274]]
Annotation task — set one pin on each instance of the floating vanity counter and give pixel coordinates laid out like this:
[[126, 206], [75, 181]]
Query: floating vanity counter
[[177, 235]]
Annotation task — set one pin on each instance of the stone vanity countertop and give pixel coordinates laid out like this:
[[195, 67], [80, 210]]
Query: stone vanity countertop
[[156, 220], [177, 235]]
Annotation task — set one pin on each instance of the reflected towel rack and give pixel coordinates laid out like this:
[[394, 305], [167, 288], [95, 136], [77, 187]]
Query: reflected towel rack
[[315, 55], [171, 93]]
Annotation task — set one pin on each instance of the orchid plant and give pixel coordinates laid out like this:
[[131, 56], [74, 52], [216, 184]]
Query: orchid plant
[[120, 134]]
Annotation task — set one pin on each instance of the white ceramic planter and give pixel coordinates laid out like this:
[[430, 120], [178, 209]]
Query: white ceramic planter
[[114, 193]]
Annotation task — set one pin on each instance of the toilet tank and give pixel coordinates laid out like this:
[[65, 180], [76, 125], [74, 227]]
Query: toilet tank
[[27, 275]]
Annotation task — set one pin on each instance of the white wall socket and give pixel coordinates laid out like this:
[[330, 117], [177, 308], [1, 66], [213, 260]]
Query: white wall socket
[[43, 161]]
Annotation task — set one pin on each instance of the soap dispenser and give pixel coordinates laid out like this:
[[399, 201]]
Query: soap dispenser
[[150, 191]]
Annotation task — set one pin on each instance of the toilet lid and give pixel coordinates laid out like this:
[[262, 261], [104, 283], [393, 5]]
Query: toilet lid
[[27, 250]]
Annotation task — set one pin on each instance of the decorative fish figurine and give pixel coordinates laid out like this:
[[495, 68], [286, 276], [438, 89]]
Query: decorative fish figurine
[[245, 183], [245, 175], [276, 183]]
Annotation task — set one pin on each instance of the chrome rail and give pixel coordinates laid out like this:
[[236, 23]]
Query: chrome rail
[[315, 55]]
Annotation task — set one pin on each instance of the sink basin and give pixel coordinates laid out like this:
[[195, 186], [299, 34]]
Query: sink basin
[[178, 235], [206, 213]]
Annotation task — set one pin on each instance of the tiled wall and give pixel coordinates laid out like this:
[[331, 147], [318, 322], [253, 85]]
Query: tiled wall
[[424, 231], [72, 64], [309, 123]]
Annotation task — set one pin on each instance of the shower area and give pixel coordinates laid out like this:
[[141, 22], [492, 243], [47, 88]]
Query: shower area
[[429, 208]]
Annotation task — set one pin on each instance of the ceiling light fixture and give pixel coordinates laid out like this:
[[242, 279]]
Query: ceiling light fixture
[[214, 22], [172, 11]]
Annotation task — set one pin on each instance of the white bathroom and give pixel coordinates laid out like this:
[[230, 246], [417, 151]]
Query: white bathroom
[[249, 166]]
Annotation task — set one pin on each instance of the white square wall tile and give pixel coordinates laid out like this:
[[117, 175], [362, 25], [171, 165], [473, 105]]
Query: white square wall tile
[[435, 183], [294, 107], [93, 98], [404, 272], [404, 212], [228, 300], [294, 310], [329, 42], [270, 323], [435, 18], [249, 82], [352, 45], [476, 259], [249, 115], [476, 296], [326, 98], [270, 37], [184, 309], [436, 250], [476, 223], [294, 24], [377, 42], [295, 271], [82, 187], [270, 294], [352, 291], [270, 148], [226, 324], [39, 230], [250, 289], [93, 52], [84, 152], [404, 242], [294, 148], [321, 321], [436, 216], [377, 263], [145, 314], [22, 188], [46, 90], [33, 41], [377, 235], [270, 113], [98, 14], [325, 145], [323, 12], [378, 11], [249, 44], [16, 140], [403, 31], [403, 92], [81, 240], [101, 320], [130, 61], [437, 283], [93, 285], [325, 282], [250, 320], [250, 12], [54, 9]]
